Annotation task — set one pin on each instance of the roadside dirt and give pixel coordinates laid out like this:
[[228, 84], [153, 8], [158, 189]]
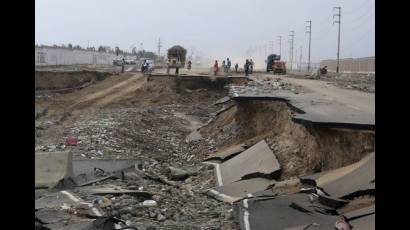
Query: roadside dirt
[[57, 80]]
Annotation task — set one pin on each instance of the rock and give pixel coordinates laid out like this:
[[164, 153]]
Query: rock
[[161, 217], [115, 213], [177, 174], [126, 210], [152, 214], [126, 216], [151, 227], [127, 202]]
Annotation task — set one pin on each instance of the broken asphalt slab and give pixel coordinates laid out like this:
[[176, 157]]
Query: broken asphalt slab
[[257, 161], [245, 172], [240, 189], [280, 212], [312, 107], [363, 218], [346, 182], [227, 153]]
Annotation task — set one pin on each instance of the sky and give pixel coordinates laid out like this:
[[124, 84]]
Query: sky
[[216, 29]]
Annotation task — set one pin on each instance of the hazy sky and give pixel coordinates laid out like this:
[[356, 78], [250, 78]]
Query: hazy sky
[[215, 28]]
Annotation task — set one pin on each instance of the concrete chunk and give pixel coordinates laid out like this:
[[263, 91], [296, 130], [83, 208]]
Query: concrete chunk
[[52, 167]]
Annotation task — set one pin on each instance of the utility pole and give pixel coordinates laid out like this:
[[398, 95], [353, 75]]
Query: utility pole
[[296, 59], [300, 60], [338, 34], [309, 30], [159, 47], [291, 39], [280, 45]]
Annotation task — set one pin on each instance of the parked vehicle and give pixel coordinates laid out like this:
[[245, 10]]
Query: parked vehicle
[[274, 64]]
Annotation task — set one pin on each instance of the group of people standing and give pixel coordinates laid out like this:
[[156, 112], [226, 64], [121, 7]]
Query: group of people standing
[[248, 67], [226, 65]]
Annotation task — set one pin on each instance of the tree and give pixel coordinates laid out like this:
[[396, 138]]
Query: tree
[[101, 49], [77, 47], [70, 46], [146, 54]]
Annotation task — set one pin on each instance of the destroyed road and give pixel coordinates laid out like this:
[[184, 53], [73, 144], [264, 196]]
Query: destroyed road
[[183, 153]]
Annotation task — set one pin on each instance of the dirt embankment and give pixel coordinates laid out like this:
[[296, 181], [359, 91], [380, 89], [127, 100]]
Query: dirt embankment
[[57, 80], [301, 149]]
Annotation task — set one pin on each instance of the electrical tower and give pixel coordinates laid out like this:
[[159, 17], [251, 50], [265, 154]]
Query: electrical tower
[[291, 39], [338, 34], [309, 31]]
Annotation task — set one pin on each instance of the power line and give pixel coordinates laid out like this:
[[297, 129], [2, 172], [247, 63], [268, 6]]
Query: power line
[[355, 9], [357, 26], [366, 13], [355, 42]]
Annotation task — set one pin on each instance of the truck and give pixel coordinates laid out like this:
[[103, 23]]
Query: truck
[[274, 64], [177, 57]]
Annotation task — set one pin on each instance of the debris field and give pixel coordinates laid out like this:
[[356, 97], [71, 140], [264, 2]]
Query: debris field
[[133, 151]]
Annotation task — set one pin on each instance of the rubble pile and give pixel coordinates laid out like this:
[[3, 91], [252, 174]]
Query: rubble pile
[[265, 86], [362, 82], [171, 168]]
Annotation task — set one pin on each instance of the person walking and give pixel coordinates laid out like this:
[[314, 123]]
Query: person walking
[[251, 63], [122, 65], [236, 67], [224, 65], [177, 67], [168, 63], [246, 67], [228, 65], [216, 67]]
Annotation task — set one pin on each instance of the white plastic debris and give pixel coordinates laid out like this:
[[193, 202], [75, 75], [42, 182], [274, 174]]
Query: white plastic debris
[[149, 203]]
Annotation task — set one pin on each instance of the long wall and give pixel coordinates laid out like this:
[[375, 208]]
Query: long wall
[[355, 65], [62, 56]]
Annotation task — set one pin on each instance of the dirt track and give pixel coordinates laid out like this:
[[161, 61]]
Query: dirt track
[[110, 94]]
